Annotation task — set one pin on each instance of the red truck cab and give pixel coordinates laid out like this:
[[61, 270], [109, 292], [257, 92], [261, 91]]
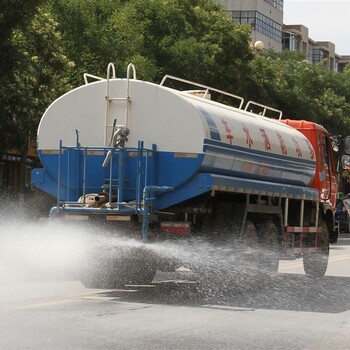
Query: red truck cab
[[325, 176]]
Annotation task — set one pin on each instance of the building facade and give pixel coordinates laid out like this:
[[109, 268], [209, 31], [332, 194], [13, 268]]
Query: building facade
[[264, 16], [266, 20], [296, 38]]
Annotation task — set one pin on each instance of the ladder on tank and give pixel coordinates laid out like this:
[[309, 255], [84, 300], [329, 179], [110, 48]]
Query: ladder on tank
[[127, 99]]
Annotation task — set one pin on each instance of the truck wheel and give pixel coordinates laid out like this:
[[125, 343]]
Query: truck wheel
[[315, 264], [250, 248], [256, 265], [137, 267], [117, 278], [250, 236], [139, 273], [269, 241]]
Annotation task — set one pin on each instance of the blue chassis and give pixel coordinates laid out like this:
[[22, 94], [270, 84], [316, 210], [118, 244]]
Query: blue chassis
[[150, 197]]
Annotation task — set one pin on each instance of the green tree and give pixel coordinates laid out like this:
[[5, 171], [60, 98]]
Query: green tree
[[10, 20], [194, 39], [87, 34], [39, 76], [302, 90]]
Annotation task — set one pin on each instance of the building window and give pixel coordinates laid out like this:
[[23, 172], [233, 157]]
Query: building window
[[341, 66], [310, 53], [259, 22], [317, 55], [289, 42], [336, 66], [276, 3]]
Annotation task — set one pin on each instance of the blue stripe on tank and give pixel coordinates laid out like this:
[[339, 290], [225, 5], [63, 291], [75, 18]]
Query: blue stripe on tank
[[232, 160], [214, 132], [225, 148]]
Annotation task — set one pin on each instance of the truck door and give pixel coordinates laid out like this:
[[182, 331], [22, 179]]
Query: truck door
[[326, 169]]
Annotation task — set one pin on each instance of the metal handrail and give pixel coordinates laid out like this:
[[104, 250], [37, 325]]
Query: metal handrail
[[107, 98], [207, 88], [265, 108], [87, 75], [130, 66]]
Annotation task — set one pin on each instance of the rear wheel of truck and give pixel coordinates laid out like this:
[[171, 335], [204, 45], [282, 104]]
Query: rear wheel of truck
[[315, 264], [262, 242], [118, 278], [251, 256], [269, 242], [136, 266]]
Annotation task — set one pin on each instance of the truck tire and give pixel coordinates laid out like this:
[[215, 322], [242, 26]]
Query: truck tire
[[138, 267], [262, 240], [269, 241], [255, 265], [251, 256], [315, 264], [250, 235]]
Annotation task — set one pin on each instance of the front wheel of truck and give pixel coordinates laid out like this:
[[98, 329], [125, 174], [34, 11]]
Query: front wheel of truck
[[315, 264]]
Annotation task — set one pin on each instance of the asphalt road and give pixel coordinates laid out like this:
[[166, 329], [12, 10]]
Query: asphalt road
[[288, 311]]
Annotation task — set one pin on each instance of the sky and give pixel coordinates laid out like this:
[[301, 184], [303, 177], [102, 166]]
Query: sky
[[326, 20]]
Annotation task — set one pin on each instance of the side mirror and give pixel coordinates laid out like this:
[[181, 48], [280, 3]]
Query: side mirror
[[347, 145], [345, 162], [335, 143]]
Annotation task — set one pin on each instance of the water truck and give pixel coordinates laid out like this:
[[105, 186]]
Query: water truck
[[177, 162]]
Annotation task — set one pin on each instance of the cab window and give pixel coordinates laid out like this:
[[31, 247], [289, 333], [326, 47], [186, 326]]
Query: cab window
[[326, 148]]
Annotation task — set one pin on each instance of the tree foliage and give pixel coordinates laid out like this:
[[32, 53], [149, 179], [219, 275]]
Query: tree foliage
[[10, 58], [33, 82], [38, 79], [302, 90], [14, 14], [190, 38]]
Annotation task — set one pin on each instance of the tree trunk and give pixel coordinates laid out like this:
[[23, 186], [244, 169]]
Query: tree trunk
[[21, 181]]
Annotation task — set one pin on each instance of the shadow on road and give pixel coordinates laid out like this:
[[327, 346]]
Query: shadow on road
[[282, 292]]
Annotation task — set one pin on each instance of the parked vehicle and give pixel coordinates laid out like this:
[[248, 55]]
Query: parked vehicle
[[178, 163], [343, 214]]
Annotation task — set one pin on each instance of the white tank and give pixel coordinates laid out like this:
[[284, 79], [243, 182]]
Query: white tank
[[191, 134]]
